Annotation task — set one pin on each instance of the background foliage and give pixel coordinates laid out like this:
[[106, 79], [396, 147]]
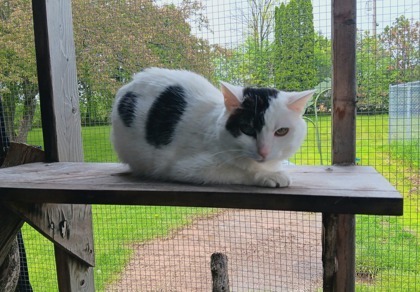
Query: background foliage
[[281, 49], [106, 53]]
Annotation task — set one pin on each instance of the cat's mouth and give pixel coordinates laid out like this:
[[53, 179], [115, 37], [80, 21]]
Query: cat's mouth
[[260, 159]]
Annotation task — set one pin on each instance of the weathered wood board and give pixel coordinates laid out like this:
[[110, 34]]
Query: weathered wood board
[[343, 140], [333, 189], [61, 127], [10, 223], [57, 80]]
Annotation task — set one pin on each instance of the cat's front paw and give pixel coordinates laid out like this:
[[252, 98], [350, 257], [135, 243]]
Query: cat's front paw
[[272, 179]]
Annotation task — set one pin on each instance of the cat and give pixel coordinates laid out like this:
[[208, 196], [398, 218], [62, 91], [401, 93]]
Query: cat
[[174, 125]]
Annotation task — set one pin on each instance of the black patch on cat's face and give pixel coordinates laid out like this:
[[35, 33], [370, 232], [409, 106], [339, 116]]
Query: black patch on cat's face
[[249, 119], [164, 115], [126, 108]]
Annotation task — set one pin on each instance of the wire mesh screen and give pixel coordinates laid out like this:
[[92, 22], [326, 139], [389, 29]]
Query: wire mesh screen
[[259, 246], [387, 55], [404, 111], [245, 42]]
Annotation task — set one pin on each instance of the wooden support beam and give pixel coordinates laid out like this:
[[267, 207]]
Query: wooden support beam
[[329, 240], [9, 227], [339, 229], [10, 223], [219, 272], [344, 82], [46, 218], [67, 226], [346, 253], [73, 275], [20, 153], [10, 268], [346, 189], [57, 79]]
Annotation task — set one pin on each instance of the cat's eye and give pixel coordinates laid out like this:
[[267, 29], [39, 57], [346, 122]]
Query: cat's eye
[[247, 130], [281, 132]]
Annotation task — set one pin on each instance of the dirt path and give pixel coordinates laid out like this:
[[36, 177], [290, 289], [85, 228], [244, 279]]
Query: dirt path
[[267, 251]]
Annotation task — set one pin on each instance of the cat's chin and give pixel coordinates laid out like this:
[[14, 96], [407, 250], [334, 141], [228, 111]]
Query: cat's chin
[[260, 160]]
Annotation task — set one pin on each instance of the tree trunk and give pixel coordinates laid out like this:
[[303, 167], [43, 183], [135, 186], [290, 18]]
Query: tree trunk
[[9, 110], [29, 108], [4, 138], [29, 91]]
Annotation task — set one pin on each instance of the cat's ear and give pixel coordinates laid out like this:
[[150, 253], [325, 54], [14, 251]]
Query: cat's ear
[[297, 100], [232, 95]]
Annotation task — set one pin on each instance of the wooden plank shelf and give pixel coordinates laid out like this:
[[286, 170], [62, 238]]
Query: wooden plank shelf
[[330, 189]]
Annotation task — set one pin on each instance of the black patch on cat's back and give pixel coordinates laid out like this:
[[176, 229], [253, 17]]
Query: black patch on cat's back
[[126, 108], [252, 110], [164, 115]]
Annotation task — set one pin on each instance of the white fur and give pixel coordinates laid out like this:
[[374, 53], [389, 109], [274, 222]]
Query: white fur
[[202, 150]]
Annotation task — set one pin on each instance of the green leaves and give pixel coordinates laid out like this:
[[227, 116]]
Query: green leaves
[[294, 53], [389, 58], [113, 40]]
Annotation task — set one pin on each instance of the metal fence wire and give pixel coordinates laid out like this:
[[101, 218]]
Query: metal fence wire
[[157, 248], [404, 111]]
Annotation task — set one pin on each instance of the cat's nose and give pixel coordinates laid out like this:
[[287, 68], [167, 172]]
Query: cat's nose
[[263, 152]]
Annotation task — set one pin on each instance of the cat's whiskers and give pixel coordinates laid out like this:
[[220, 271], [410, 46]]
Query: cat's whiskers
[[225, 151], [256, 108], [231, 159]]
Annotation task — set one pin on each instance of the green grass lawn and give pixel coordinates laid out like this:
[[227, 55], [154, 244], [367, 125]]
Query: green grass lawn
[[388, 249], [96, 143], [116, 229]]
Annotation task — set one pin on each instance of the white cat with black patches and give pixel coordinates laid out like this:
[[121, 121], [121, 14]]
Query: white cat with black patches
[[175, 125]]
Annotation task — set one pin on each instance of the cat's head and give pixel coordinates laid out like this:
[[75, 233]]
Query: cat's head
[[266, 123]]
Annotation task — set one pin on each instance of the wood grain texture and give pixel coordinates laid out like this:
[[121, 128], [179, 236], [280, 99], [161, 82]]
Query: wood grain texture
[[57, 79], [329, 240], [9, 226], [343, 142], [338, 252], [349, 189], [10, 223], [72, 274], [344, 81], [346, 253], [67, 226], [219, 272], [20, 153], [10, 268]]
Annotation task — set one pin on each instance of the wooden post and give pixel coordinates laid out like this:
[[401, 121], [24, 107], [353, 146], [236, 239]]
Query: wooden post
[[344, 82], [10, 268], [338, 229], [219, 272], [10, 223], [57, 79]]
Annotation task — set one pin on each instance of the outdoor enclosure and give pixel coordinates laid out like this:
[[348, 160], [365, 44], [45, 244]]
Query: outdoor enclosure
[[166, 248], [404, 111]]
